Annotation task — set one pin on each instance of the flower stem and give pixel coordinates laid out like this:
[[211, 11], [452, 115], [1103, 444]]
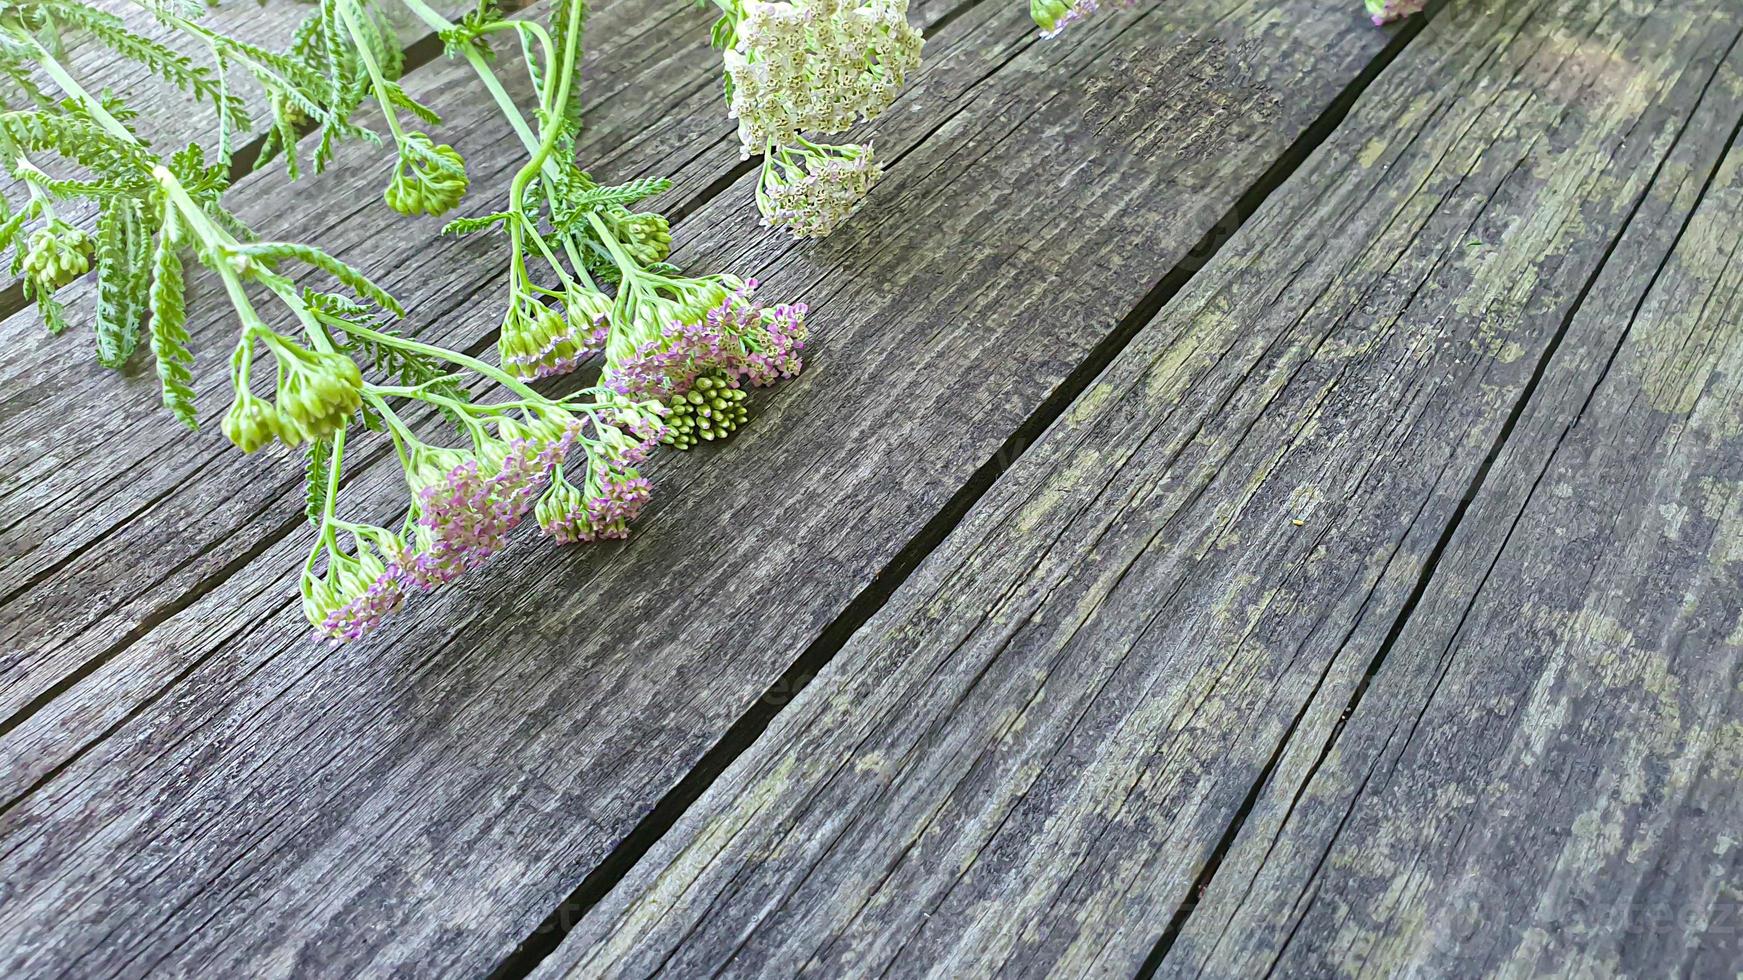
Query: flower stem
[[493, 373], [511, 112], [348, 11]]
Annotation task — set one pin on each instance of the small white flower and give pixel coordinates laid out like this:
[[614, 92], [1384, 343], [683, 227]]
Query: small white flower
[[816, 66], [811, 189]]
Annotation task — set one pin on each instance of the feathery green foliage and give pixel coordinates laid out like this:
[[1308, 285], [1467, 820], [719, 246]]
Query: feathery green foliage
[[169, 326], [123, 279]]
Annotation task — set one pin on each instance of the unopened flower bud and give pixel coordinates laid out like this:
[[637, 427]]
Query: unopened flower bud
[[562, 512], [427, 179], [56, 254], [537, 342], [712, 409], [647, 237], [251, 423], [321, 391]]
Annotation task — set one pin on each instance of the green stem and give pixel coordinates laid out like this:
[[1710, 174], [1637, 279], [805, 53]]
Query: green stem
[[511, 112], [396, 427], [328, 505], [348, 11], [493, 373], [479, 66], [71, 86], [30, 173]]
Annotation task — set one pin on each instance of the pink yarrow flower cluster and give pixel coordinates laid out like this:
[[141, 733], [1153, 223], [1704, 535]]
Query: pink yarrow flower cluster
[[613, 497], [538, 342], [354, 596], [466, 504], [465, 510], [1054, 16], [737, 337]]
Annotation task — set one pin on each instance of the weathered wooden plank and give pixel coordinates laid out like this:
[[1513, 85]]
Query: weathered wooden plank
[[1022, 765], [1545, 776], [426, 798]]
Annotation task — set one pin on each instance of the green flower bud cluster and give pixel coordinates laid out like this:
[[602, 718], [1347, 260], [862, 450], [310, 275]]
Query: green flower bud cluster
[[56, 254], [319, 397], [320, 394], [251, 423], [290, 112], [646, 235], [557, 509], [427, 179], [712, 409], [537, 342]]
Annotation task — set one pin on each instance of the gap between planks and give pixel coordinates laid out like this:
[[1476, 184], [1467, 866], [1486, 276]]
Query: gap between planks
[[539, 944]]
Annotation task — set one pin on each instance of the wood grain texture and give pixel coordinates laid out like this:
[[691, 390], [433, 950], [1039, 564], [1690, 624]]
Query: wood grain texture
[[422, 800], [1023, 764], [1543, 776]]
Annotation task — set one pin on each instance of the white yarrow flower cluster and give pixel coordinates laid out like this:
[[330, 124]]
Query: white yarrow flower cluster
[[811, 189], [816, 66]]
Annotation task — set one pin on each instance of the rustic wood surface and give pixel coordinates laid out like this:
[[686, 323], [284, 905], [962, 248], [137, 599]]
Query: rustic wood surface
[[1429, 474], [1026, 761]]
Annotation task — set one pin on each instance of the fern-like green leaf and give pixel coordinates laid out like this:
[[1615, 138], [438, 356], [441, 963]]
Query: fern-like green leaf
[[317, 460], [563, 14], [124, 262], [47, 307], [625, 194], [471, 225], [78, 139], [169, 331], [352, 277], [398, 97], [9, 230], [161, 60]]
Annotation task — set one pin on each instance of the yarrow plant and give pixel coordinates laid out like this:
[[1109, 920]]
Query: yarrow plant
[[589, 281], [817, 67]]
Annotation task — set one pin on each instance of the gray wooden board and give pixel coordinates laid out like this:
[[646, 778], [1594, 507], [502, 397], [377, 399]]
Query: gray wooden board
[[1546, 775], [1023, 764], [426, 798]]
